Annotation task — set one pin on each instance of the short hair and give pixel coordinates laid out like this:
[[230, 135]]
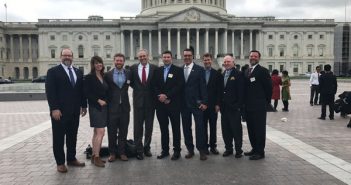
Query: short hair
[[259, 54], [207, 55], [188, 49], [119, 55], [318, 67], [167, 52], [230, 55], [93, 60], [327, 67], [285, 72], [67, 49], [275, 72], [140, 50]]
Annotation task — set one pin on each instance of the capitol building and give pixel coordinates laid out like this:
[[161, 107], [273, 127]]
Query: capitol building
[[29, 49]]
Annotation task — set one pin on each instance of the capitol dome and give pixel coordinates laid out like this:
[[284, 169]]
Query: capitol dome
[[153, 7]]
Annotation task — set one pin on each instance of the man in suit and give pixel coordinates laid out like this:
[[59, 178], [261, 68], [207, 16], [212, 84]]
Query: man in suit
[[118, 81], [168, 84], [194, 103], [231, 104], [64, 92], [143, 102], [258, 94], [328, 88], [214, 85]]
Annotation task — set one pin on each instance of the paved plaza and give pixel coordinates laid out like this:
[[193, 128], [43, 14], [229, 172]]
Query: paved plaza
[[303, 150]]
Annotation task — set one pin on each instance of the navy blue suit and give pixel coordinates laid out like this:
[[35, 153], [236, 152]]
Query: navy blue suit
[[61, 95], [194, 94]]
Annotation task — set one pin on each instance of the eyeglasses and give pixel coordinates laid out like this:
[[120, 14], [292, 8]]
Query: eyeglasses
[[67, 55]]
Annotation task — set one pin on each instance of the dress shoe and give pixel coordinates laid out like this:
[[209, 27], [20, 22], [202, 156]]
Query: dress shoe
[[203, 156], [238, 154], [207, 152], [76, 163], [256, 157], [111, 158], [311, 104], [189, 155], [249, 153], [331, 118], [62, 168], [163, 155], [349, 125], [98, 162], [175, 156], [322, 118], [123, 157], [214, 151], [227, 153], [140, 156], [92, 159], [147, 153]]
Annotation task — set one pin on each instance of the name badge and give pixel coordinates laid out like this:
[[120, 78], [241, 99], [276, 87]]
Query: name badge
[[170, 75], [232, 78], [252, 79]]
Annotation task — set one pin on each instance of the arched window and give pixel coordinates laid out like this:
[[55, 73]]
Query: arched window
[[26, 73], [17, 72], [35, 72], [80, 51]]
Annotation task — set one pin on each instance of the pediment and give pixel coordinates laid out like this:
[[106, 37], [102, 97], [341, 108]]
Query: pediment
[[193, 14]]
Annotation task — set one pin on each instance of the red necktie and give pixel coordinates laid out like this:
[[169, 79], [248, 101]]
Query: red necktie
[[250, 71], [143, 76]]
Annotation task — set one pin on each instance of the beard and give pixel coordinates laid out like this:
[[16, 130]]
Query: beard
[[67, 62]]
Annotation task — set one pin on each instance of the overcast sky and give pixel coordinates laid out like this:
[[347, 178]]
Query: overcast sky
[[32, 10]]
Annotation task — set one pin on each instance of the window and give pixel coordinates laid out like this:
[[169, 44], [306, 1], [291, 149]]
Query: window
[[270, 51], [296, 37], [281, 68], [295, 51], [296, 68], [53, 52], [64, 37], [309, 36], [321, 36], [52, 37], [108, 68], [281, 37], [80, 37], [309, 68], [96, 37], [0, 39], [108, 53], [108, 37], [96, 51], [270, 68], [80, 51], [281, 51], [270, 37], [321, 51], [309, 51]]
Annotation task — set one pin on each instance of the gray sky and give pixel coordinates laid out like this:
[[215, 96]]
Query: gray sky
[[32, 10]]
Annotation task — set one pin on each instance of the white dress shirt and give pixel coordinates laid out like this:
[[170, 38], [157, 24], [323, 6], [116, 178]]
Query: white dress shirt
[[190, 67], [140, 71], [314, 79], [67, 72]]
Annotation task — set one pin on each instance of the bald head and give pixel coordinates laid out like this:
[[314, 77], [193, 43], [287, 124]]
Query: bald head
[[228, 62]]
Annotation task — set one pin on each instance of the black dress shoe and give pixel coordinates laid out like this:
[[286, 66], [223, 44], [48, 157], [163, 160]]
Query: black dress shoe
[[175, 156], [140, 156], [147, 153], [249, 153], [322, 118], [239, 154], [163, 155], [256, 157], [207, 152], [227, 153], [189, 155], [331, 118], [203, 156], [349, 125], [214, 151]]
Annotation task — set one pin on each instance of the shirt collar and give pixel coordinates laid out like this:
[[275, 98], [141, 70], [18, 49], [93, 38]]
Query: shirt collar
[[66, 67], [190, 65], [116, 71], [141, 66]]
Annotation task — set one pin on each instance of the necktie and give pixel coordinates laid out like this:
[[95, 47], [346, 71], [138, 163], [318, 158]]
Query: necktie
[[186, 73], [226, 76], [71, 77], [207, 76], [143, 76], [250, 71], [119, 80], [165, 73]]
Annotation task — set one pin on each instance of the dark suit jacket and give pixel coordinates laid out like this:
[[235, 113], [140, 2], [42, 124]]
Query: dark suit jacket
[[195, 92], [172, 88], [328, 83], [118, 98], [258, 89], [60, 93], [214, 89], [94, 90], [233, 92], [143, 95]]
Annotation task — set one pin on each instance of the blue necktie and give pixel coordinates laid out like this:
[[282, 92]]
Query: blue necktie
[[165, 72], [119, 80], [71, 77]]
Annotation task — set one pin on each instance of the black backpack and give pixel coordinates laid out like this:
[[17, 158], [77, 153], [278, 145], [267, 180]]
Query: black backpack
[[104, 152]]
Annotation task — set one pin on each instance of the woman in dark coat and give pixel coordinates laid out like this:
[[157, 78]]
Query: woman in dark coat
[[276, 83]]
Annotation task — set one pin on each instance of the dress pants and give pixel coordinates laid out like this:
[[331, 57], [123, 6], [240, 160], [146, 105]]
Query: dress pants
[[210, 120], [143, 115], [67, 126], [199, 129], [232, 129], [256, 127], [328, 99], [164, 116], [314, 94], [118, 123]]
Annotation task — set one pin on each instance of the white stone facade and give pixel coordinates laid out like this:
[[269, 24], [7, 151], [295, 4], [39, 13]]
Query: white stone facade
[[296, 45]]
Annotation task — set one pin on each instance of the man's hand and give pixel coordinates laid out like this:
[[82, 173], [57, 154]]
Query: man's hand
[[162, 98], [203, 107], [101, 102], [83, 111], [217, 108], [56, 114]]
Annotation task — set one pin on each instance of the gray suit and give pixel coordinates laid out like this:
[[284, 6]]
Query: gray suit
[[144, 107], [118, 111]]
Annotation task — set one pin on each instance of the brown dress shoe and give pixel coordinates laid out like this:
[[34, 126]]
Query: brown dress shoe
[[62, 168], [123, 157], [76, 163], [98, 162], [111, 158]]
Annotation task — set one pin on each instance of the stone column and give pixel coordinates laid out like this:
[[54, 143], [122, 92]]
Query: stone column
[[141, 39], [242, 44], [251, 40], [132, 55], [206, 40], [159, 43], [12, 58], [21, 49], [30, 48], [150, 45], [276, 49], [233, 42], [330, 48], [169, 40], [197, 43], [187, 38], [122, 42], [216, 43], [178, 43], [225, 48], [316, 52]]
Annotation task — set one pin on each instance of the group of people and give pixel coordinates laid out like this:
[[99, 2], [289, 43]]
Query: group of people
[[283, 81], [175, 94]]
